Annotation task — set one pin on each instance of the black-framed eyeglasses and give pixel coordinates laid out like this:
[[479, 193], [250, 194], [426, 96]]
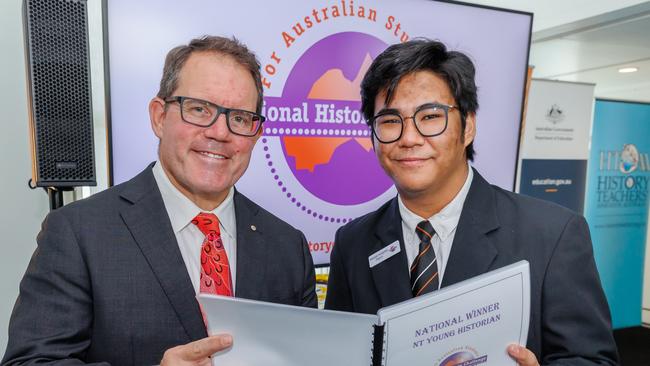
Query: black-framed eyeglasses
[[202, 113], [430, 120]]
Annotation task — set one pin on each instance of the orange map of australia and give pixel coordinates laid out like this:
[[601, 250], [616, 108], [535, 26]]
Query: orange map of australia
[[332, 85]]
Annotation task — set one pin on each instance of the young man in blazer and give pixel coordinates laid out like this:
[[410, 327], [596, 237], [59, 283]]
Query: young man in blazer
[[115, 277], [420, 101]]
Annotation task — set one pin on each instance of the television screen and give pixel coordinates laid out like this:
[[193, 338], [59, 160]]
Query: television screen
[[314, 166]]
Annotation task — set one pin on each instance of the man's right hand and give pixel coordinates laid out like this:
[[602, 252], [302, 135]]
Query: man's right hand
[[196, 353]]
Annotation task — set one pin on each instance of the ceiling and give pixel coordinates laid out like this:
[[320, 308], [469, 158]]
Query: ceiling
[[588, 41]]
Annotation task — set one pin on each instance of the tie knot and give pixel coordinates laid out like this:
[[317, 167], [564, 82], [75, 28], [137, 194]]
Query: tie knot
[[208, 223], [425, 231]]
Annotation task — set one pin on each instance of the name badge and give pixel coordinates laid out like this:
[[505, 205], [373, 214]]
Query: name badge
[[385, 253]]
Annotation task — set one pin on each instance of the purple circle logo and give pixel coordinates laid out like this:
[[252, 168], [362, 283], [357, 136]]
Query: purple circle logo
[[457, 358], [324, 137]]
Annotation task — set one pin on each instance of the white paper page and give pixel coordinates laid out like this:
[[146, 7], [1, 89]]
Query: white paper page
[[281, 335], [469, 323]]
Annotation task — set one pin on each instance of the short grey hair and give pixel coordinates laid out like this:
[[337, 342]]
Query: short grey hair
[[232, 47]]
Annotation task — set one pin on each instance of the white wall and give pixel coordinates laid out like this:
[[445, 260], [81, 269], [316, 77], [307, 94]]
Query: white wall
[[554, 13], [21, 209]]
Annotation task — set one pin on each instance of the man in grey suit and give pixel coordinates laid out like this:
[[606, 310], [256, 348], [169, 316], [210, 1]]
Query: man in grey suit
[[115, 276], [420, 100]]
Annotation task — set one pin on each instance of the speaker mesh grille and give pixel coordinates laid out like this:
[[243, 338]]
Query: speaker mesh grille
[[61, 96]]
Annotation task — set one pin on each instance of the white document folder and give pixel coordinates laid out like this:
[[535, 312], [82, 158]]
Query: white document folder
[[469, 323]]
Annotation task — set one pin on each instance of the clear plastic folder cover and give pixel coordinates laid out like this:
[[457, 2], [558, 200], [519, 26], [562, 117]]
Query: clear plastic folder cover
[[469, 323], [281, 335]]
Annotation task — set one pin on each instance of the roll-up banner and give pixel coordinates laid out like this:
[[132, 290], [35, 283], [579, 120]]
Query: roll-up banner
[[314, 165], [617, 203], [555, 144], [645, 317]]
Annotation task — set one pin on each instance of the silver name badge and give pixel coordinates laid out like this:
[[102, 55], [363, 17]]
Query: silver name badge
[[384, 253]]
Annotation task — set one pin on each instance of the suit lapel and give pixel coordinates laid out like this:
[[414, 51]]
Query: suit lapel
[[251, 249], [149, 224], [473, 251], [391, 277]]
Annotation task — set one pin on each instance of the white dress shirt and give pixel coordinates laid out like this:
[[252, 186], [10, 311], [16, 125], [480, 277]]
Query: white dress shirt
[[444, 223], [181, 210]]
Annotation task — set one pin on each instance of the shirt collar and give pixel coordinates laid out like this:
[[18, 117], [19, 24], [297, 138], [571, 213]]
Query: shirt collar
[[445, 221], [181, 210]]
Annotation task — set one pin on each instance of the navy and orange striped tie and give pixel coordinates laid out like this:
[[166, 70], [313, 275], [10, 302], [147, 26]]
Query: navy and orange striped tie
[[424, 270]]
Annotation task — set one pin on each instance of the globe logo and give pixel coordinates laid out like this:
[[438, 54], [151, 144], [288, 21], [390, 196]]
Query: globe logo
[[325, 140], [629, 159]]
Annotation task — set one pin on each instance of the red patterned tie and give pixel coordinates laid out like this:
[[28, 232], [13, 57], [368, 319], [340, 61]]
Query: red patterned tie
[[215, 270]]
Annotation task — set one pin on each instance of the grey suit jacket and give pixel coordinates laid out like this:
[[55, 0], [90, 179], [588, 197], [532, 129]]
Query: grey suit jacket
[[569, 321], [107, 283]]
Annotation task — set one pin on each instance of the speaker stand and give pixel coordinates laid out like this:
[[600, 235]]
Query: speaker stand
[[56, 196]]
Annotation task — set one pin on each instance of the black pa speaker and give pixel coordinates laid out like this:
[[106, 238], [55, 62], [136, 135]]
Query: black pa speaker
[[60, 102]]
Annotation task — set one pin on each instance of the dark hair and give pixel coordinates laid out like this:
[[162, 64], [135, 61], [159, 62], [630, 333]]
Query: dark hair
[[177, 57], [417, 55]]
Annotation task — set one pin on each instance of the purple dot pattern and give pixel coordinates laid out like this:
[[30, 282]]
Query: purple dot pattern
[[351, 131], [292, 198]]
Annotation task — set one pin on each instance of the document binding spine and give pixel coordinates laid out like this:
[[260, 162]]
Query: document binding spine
[[378, 346]]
